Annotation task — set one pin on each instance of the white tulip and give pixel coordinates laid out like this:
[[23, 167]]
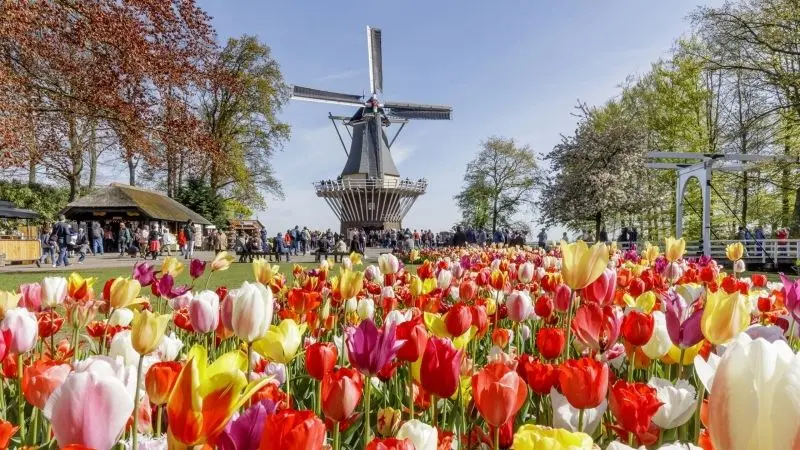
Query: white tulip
[[121, 317], [388, 263], [366, 309], [251, 314], [739, 266], [526, 272], [54, 290], [566, 416], [755, 399], [387, 292], [397, 317], [347, 263], [350, 305], [108, 367], [422, 435], [371, 273], [24, 329], [122, 347], [705, 369], [204, 311], [169, 348], [444, 279], [679, 446], [679, 402], [616, 445], [181, 301], [659, 343]]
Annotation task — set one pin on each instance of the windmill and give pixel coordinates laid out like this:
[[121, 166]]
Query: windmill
[[369, 192]]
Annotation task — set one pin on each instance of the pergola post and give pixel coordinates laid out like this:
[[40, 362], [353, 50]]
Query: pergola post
[[706, 189]]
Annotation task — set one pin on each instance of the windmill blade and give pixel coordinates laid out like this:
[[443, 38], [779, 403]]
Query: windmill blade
[[317, 95], [375, 51], [417, 111]]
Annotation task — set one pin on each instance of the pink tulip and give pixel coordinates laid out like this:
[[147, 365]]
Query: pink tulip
[[601, 290], [31, 296], [90, 410], [562, 298], [526, 272], [24, 329], [204, 311], [520, 306]]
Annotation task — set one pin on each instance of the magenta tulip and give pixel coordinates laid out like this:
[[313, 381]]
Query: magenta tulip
[[370, 348], [196, 268], [204, 311]]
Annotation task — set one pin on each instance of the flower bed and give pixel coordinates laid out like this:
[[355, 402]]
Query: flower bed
[[581, 348]]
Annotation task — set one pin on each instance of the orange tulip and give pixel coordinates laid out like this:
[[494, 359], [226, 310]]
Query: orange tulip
[[160, 380], [41, 378], [290, 429], [498, 392], [7, 431]]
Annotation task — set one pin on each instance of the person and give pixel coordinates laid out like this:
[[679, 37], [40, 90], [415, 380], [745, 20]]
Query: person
[[305, 239], [354, 247], [564, 237], [142, 235], [47, 249], [460, 238], [281, 247], [188, 232], [153, 243], [167, 241], [81, 245], [125, 238], [295, 235], [97, 239], [221, 244], [542, 237], [603, 236], [264, 240], [59, 237], [108, 238]]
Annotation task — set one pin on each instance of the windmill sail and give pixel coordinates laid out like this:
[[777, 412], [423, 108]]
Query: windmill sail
[[375, 52]]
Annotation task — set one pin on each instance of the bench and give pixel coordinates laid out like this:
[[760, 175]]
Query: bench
[[320, 254], [250, 255]]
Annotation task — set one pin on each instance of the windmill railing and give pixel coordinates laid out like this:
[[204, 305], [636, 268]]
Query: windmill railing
[[418, 186]]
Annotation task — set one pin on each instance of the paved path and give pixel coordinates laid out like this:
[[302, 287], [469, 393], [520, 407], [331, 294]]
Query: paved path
[[114, 260]]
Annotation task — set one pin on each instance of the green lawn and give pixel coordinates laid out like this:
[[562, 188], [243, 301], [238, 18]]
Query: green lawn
[[234, 276]]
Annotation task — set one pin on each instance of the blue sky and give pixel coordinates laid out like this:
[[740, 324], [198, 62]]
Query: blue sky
[[510, 68]]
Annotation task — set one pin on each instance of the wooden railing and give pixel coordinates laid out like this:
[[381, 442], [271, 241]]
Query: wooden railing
[[764, 251]]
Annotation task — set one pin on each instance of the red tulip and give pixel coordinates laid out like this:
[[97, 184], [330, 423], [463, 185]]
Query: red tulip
[[544, 306], [563, 297], [637, 328], [7, 431], [482, 279], [41, 378], [160, 379], [541, 377], [290, 429], [500, 337], [498, 393], [498, 280], [49, 323], [634, 405], [596, 327], [320, 359], [416, 337], [341, 392], [637, 287], [550, 342], [584, 382], [458, 319], [467, 290], [601, 290], [441, 365], [480, 319], [390, 444]]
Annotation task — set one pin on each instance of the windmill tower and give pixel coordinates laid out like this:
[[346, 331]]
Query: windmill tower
[[369, 193]]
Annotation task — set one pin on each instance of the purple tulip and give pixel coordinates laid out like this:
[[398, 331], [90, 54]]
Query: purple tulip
[[683, 321], [370, 348], [166, 287], [144, 274], [244, 432], [770, 333], [661, 264], [196, 268], [791, 296]]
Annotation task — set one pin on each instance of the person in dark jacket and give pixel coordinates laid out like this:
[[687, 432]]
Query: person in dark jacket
[[459, 238], [153, 242], [60, 237]]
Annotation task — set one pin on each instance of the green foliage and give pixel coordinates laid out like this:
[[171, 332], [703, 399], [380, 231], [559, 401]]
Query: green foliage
[[198, 196], [498, 183], [45, 200]]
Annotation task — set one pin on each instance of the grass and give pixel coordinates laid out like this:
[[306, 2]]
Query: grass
[[234, 276]]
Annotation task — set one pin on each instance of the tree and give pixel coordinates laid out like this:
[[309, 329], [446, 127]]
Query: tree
[[498, 182], [239, 112], [45, 200], [198, 196], [598, 172]]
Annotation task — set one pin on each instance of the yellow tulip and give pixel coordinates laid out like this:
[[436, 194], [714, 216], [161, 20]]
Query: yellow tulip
[[734, 251], [414, 255], [350, 283], [171, 266], [415, 286], [147, 329], [79, 288], [538, 437], [645, 302], [466, 391], [675, 248], [651, 252], [8, 300], [264, 272], [724, 316], [674, 354], [221, 262], [124, 293], [580, 265], [281, 342], [355, 258]]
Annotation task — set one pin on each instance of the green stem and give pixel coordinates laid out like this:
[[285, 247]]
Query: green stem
[[700, 394], [433, 413], [75, 335], [289, 382], [34, 427], [134, 430], [105, 330], [250, 355], [631, 365], [159, 411], [497, 438], [580, 420], [20, 398], [318, 406], [2, 398], [791, 332], [410, 392], [367, 429], [208, 278], [680, 363], [569, 326], [336, 436]]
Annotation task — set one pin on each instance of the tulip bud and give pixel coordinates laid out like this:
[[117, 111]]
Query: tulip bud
[[251, 308], [674, 271], [147, 329], [525, 332], [415, 286], [24, 329], [563, 298], [519, 306], [388, 421], [544, 306], [388, 263], [350, 305], [121, 317], [550, 342], [458, 319], [467, 290], [371, 273], [444, 279], [458, 271], [526, 272], [366, 308], [637, 328], [501, 337], [325, 310], [204, 311], [347, 263], [739, 266], [540, 273], [54, 290], [160, 379]]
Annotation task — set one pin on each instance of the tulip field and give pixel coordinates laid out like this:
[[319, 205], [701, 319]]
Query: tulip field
[[583, 347]]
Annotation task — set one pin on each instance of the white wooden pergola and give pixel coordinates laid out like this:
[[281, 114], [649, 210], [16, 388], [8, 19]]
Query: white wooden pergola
[[701, 166]]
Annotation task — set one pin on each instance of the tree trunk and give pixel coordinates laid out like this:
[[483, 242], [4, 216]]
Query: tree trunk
[[32, 171], [92, 157], [76, 152], [745, 193], [132, 171], [494, 215], [598, 222], [795, 225], [786, 188]]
